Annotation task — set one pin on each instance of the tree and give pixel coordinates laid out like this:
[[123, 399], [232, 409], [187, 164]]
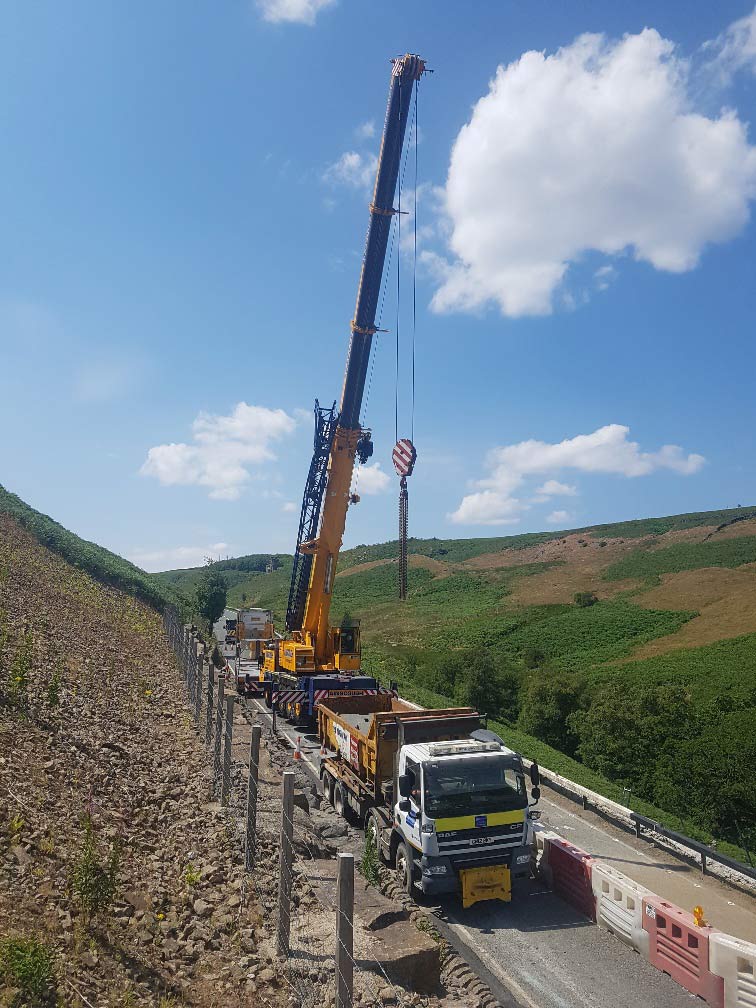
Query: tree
[[212, 591], [549, 698], [533, 657], [491, 687]]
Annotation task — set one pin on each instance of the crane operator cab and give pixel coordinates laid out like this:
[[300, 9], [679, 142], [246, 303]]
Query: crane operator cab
[[346, 646]]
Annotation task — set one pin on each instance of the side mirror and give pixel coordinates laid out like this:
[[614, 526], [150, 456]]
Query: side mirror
[[535, 793], [535, 775], [404, 785], [404, 805]]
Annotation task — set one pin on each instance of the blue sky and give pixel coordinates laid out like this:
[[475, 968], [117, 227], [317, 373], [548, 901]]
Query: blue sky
[[183, 196]]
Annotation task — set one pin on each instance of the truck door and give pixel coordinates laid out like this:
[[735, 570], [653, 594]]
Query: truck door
[[411, 820]]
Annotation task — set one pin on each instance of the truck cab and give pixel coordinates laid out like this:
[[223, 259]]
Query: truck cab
[[461, 819]]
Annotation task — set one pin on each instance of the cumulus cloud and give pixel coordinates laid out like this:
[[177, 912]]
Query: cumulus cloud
[[496, 499], [288, 507], [222, 450], [597, 147], [293, 11], [733, 50], [558, 517], [366, 130], [176, 556], [370, 479], [352, 169]]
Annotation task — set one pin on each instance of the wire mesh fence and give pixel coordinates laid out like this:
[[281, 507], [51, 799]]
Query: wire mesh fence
[[324, 961]]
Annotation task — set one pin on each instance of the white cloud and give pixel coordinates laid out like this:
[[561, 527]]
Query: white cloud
[[298, 11], [366, 130], [370, 479], [733, 50], [606, 450], [176, 557], [223, 449], [553, 488], [558, 517], [596, 147], [289, 507], [352, 169]]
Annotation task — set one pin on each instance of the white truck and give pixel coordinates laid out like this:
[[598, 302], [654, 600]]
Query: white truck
[[445, 800]]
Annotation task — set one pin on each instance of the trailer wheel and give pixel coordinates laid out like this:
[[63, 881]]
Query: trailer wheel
[[404, 867], [339, 801], [328, 787]]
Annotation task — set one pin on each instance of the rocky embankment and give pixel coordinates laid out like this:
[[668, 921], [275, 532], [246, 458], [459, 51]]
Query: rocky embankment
[[113, 861]]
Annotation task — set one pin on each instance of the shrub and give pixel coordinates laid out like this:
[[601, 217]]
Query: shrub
[[585, 599], [370, 865], [94, 878], [27, 963]]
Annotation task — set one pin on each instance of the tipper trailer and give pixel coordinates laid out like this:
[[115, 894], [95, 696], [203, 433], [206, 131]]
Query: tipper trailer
[[444, 799]]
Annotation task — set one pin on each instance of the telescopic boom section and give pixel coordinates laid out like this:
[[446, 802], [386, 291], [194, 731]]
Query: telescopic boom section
[[406, 71]]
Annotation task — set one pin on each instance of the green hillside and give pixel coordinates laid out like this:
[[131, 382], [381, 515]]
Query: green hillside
[[95, 560], [628, 648]]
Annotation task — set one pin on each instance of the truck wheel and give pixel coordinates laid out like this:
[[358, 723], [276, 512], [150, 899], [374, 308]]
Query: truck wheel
[[339, 801], [404, 867], [328, 786], [373, 828]]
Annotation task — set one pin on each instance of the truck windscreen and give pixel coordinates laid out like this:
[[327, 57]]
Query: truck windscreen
[[482, 784]]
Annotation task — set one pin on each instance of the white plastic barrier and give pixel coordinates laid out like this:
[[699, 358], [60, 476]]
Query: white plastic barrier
[[541, 852], [619, 906], [734, 960]]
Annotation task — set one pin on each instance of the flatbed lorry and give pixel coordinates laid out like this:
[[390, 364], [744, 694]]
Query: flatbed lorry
[[445, 800]]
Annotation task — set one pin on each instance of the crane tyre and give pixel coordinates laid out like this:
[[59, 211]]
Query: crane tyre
[[404, 867]]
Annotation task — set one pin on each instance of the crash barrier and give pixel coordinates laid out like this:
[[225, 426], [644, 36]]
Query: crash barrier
[[619, 905], [680, 948], [570, 869], [735, 961], [653, 830], [541, 839]]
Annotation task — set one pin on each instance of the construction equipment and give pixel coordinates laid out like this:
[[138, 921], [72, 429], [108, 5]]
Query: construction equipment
[[314, 647], [444, 799]]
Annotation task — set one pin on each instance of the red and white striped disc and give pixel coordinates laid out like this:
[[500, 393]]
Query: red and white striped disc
[[404, 456]]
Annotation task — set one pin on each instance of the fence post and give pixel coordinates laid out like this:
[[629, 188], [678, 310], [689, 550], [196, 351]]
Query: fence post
[[285, 865], [252, 791], [198, 689], [209, 711], [227, 742], [217, 740], [344, 930]]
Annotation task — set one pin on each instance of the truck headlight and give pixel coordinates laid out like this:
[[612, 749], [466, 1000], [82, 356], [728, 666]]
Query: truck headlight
[[436, 869], [523, 858]]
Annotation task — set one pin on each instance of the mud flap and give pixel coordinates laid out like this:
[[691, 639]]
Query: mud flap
[[494, 882]]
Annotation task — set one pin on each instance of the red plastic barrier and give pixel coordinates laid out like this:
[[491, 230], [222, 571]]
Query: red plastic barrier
[[677, 947], [571, 875]]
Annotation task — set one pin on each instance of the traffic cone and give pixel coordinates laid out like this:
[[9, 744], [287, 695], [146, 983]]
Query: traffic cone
[[298, 750]]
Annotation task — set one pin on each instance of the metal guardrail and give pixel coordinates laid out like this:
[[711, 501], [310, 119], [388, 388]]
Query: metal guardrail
[[633, 820]]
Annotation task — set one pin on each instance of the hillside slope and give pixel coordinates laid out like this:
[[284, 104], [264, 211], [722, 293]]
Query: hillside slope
[[94, 730], [652, 684]]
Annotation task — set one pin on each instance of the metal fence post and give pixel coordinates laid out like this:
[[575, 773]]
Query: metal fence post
[[217, 740], [285, 865], [209, 711], [344, 930], [252, 791], [227, 742]]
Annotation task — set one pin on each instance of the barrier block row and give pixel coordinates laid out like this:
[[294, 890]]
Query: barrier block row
[[717, 967], [570, 869]]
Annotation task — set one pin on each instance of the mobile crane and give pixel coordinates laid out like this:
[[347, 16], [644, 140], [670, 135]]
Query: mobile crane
[[315, 650]]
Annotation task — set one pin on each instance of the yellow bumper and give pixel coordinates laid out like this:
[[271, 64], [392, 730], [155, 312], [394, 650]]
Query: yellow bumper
[[494, 882]]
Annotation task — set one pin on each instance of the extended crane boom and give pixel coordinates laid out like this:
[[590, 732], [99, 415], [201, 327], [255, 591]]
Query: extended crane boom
[[339, 437]]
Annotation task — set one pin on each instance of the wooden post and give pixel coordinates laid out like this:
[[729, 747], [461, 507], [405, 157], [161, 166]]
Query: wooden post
[[217, 739], [344, 930], [198, 689], [209, 711], [285, 865], [227, 742], [252, 791]]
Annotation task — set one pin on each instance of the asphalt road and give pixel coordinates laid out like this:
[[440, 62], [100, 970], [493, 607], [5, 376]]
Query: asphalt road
[[537, 952]]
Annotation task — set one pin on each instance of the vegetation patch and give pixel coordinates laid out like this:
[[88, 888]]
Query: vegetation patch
[[650, 564]]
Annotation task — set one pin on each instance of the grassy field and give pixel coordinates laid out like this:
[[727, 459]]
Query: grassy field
[[650, 564]]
